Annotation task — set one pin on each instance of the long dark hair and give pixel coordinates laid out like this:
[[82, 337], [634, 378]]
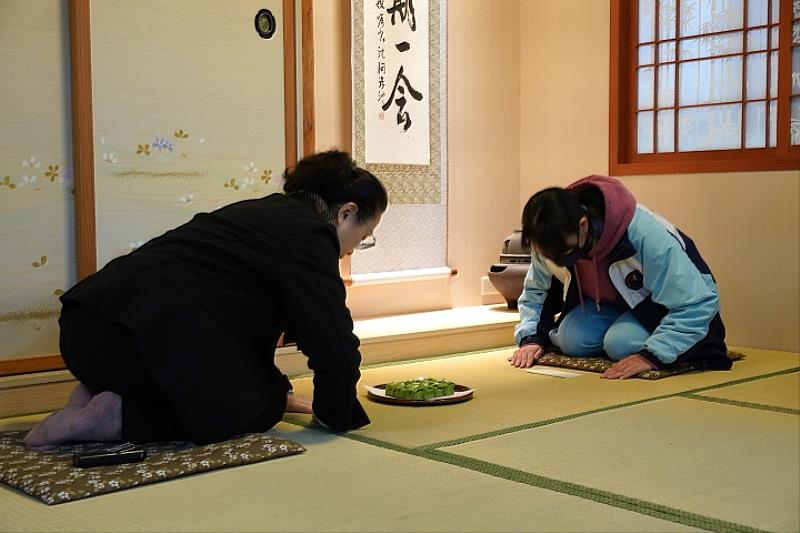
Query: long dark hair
[[551, 215], [335, 177]]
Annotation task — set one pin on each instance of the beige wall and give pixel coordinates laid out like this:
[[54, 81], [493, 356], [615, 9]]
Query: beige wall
[[745, 224], [538, 71], [483, 130]]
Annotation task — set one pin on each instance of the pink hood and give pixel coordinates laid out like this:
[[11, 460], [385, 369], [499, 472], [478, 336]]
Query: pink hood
[[592, 271], [620, 207]]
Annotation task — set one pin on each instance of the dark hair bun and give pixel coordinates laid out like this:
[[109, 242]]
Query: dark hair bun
[[336, 178]]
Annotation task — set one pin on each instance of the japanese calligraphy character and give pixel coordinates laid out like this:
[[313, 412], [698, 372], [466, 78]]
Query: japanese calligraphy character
[[403, 117], [404, 8]]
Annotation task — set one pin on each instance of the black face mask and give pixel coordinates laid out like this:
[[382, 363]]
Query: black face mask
[[577, 253], [571, 258]]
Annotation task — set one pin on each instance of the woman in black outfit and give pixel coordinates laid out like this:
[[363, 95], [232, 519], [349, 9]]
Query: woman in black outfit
[[176, 340]]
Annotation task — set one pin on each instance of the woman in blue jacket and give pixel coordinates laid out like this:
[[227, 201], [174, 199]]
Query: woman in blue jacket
[[652, 300]]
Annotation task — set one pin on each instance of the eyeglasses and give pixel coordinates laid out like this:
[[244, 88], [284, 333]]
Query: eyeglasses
[[367, 243]]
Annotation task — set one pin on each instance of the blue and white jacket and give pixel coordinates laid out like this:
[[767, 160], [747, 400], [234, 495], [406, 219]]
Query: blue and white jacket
[[660, 276]]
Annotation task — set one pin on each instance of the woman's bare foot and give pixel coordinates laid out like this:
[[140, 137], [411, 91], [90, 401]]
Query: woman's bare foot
[[98, 420], [80, 397]]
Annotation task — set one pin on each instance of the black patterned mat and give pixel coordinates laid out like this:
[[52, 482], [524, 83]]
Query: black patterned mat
[[601, 364], [51, 477]]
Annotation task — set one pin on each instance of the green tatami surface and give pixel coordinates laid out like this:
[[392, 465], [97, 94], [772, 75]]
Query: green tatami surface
[[338, 485], [734, 464], [780, 392], [713, 451], [506, 397]]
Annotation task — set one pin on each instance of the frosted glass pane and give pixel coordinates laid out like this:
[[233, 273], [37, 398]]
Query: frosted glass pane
[[715, 45], [666, 131], [795, 70], [773, 120], [689, 21], [707, 16], [711, 80], [774, 36], [756, 76], [773, 75], [756, 12], [666, 51], [645, 127], [796, 9], [645, 88], [776, 11], [646, 56], [796, 32], [756, 125], [666, 19], [756, 40], [666, 86], [794, 126], [647, 20], [710, 128]]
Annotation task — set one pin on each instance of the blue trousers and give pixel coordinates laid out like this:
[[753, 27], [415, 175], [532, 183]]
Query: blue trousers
[[588, 332]]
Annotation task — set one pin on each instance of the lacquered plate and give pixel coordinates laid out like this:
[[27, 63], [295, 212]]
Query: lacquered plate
[[377, 393]]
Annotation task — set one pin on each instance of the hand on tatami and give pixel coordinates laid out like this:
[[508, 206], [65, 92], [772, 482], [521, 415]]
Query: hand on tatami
[[526, 356], [627, 367], [298, 404]]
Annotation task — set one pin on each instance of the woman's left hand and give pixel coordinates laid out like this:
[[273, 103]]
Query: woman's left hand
[[298, 404], [627, 367]]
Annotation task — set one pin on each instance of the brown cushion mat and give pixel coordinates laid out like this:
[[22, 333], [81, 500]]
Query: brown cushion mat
[[50, 476], [601, 364]]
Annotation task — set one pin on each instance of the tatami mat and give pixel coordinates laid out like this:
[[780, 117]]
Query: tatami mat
[[338, 485], [778, 391], [528, 453], [722, 461], [506, 396]]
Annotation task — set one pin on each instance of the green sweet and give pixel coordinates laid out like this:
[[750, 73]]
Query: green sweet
[[420, 389]]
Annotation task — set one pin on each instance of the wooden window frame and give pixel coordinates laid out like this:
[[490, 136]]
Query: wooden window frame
[[623, 159]]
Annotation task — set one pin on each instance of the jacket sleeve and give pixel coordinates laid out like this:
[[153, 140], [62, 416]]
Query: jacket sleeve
[[690, 297], [319, 316], [538, 289]]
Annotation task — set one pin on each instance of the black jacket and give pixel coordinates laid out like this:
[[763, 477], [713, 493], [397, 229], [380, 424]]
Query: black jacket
[[208, 301]]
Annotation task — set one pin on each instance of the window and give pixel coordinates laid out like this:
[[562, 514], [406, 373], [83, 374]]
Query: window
[[704, 85]]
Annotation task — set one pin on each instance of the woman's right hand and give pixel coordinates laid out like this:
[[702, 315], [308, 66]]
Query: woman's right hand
[[526, 356], [298, 404]]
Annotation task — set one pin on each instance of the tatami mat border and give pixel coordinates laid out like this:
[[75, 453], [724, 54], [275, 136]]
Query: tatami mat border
[[531, 425], [748, 405], [588, 493], [573, 489]]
